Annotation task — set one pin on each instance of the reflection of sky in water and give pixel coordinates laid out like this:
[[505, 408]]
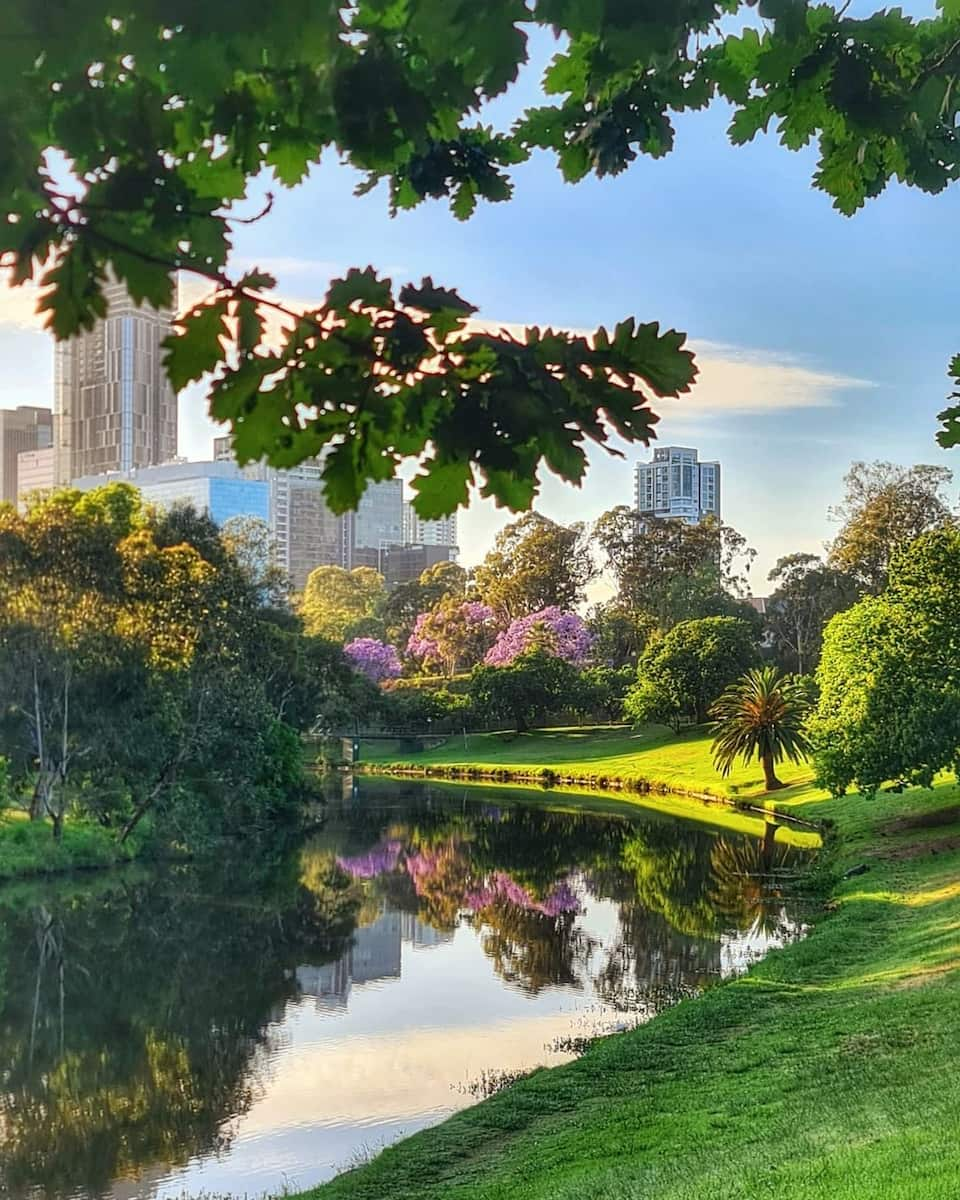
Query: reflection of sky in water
[[361, 1066], [231, 1028]]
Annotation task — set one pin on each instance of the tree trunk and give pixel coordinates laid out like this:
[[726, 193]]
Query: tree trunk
[[37, 805], [769, 774]]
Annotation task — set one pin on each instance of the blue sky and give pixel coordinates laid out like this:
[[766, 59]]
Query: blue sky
[[824, 339]]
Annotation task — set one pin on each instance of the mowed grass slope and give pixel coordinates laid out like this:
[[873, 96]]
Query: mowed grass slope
[[655, 754], [830, 1072]]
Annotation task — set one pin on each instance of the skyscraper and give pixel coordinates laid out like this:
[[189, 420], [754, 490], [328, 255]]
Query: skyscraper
[[378, 521], [417, 532], [23, 428], [306, 534], [676, 484], [115, 409]]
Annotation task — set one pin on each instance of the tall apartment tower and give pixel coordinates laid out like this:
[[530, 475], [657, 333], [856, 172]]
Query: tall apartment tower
[[115, 409], [21, 429], [676, 484]]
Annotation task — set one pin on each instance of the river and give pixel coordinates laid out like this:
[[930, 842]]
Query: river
[[257, 1025]]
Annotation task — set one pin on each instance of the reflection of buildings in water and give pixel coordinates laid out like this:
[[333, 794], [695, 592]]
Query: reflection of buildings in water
[[374, 954]]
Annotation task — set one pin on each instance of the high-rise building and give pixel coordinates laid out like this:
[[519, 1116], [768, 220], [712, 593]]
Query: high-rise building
[[35, 473], [676, 484], [381, 534], [403, 564], [115, 408], [378, 521], [218, 489], [306, 534], [417, 532], [21, 429]]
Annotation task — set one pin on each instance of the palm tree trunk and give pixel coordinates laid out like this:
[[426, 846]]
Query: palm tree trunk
[[770, 774]]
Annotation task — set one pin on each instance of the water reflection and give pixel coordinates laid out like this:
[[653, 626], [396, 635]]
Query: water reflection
[[253, 1025]]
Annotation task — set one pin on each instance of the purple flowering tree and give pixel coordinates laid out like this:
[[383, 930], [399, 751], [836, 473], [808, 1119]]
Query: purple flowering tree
[[373, 658], [452, 635], [560, 633]]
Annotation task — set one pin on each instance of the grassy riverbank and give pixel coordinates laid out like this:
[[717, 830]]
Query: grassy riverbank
[[599, 755], [830, 1072], [27, 848]]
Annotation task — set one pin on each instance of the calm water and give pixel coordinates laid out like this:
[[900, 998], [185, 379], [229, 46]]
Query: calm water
[[264, 1025]]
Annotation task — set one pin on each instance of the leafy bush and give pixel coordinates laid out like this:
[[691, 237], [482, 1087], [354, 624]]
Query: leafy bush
[[525, 692], [26, 848], [681, 676]]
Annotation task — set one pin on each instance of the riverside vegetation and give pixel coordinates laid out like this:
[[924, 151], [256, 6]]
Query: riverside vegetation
[[829, 1071]]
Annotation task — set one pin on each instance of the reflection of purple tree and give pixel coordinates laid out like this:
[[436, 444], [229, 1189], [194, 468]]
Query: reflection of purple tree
[[380, 860], [503, 888], [560, 633]]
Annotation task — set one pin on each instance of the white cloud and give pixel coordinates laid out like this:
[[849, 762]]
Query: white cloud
[[734, 379]]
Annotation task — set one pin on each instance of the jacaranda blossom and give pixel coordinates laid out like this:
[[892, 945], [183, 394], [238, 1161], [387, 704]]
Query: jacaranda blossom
[[560, 633], [375, 659]]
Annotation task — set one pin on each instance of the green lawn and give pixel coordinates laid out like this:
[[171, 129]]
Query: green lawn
[[655, 754], [830, 1072]]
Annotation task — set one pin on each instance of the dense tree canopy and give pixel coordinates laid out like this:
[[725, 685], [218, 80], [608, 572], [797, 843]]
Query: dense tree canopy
[[452, 636], [889, 679], [528, 690], [885, 507], [680, 676], [406, 601], [337, 603], [166, 112], [142, 676], [673, 571], [808, 593], [536, 564]]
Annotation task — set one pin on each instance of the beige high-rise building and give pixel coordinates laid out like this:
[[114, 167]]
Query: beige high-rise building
[[35, 473], [23, 428], [114, 407]]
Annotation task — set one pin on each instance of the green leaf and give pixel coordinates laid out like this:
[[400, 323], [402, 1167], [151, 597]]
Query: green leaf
[[257, 281], [464, 202], [364, 287], [441, 488], [75, 298], [199, 348], [221, 178], [146, 281], [509, 490], [291, 160], [428, 297], [563, 455], [657, 357], [250, 325], [752, 117], [343, 484]]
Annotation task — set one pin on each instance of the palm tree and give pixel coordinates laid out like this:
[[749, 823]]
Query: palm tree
[[761, 716]]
